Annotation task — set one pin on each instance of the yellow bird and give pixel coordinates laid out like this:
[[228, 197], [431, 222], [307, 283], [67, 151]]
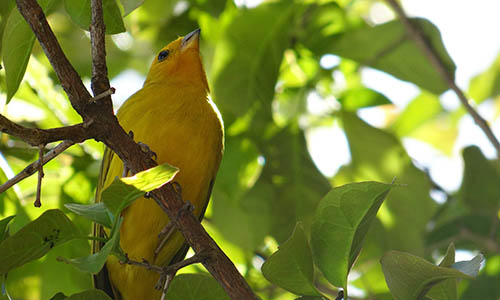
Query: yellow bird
[[174, 117]]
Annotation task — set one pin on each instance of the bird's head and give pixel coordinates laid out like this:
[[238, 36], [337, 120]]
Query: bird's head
[[179, 63]]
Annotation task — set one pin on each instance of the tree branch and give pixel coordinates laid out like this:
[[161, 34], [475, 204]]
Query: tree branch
[[434, 59], [32, 168], [36, 136], [106, 128]]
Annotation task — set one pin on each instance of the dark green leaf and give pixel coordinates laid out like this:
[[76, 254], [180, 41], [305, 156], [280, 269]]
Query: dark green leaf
[[388, 47], [4, 233], [291, 267], [59, 296], [410, 277], [89, 294], [79, 12], [342, 220], [195, 287], [34, 240], [124, 191], [360, 97], [97, 212], [480, 188], [93, 263]]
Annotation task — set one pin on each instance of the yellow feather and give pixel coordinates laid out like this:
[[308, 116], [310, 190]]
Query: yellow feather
[[174, 117]]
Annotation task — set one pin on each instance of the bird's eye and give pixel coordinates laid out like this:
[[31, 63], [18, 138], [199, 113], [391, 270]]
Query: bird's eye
[[163, 55]]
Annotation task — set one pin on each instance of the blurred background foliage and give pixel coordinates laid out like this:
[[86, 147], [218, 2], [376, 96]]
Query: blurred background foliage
[[263, 65]]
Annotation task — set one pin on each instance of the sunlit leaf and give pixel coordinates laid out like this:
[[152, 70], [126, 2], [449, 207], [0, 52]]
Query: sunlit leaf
[[123, 191], [360, 97], [34, 240], [422, 108], [291, 267], [342, 220], [487, 84]]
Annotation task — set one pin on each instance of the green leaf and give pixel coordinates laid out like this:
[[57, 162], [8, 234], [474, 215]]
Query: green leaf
[[360, 97], [59, 296], [447, 289], [4, 233], [470, 267], [388, 47], [17, 43], [93, 263], [89, 294], [124, 191], [410, 277], [130, 5], [420, 110], [195, 287], [294, 183], [342, 220], [487, 84], [97, 212], [35, 239], [250, 57], [480, 188], [378, 155], [291, 267], [80, 14]]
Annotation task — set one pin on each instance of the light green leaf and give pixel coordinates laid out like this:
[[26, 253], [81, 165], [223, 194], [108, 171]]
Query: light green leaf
[[97, 212], [130, 5], [123, 191], [360, 97], [80, 13], [35, 239], [410, 277], [487, 84], [93, 263], [17, 43], [342, 220], [421, 109], [388, 47], [291, 267], [89, 294], [195, 287]]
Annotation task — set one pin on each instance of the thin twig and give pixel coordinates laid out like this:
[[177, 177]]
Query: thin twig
[[434, 59], [38, 201], [32, 168]]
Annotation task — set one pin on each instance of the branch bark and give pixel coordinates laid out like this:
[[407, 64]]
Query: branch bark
[[104, 125], [434, 59]]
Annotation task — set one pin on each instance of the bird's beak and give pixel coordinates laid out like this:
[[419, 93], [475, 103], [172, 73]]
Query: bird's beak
[[191, 40]]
